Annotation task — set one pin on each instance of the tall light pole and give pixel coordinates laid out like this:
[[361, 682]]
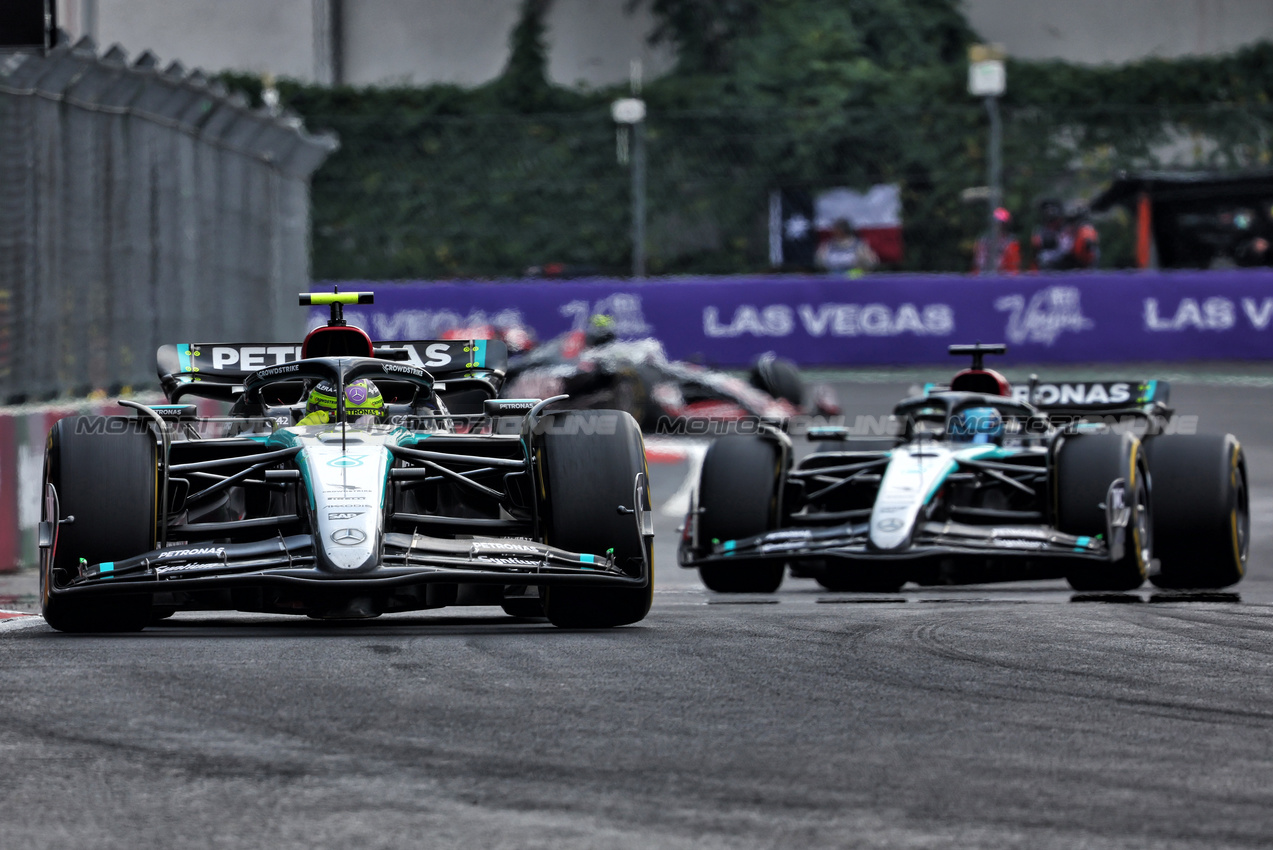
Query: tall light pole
[[629, 114], [988, 79]]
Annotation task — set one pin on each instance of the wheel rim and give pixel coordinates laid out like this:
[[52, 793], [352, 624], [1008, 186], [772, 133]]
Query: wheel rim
[[1240, 517], [1142, 531]]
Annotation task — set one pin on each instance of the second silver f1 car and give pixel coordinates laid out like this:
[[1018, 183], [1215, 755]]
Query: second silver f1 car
[[984, 484]]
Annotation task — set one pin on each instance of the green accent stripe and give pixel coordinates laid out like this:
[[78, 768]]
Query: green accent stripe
[[479, 353]]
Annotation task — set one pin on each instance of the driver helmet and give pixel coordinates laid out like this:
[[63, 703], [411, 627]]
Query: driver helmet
[[976, 425], [362, 398], [601, 330]]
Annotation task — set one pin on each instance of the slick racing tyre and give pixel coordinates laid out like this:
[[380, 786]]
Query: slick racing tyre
[[105, 471], [1086, 466], [587, 472], [778, 377], [737, 498], [1201, 519]]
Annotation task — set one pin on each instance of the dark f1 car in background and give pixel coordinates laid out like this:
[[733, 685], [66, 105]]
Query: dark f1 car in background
[[982, 486], [543, 513], [597, 370]]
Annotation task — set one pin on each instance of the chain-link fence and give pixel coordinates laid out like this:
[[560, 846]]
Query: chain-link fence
[[140, 206], [425, 196]]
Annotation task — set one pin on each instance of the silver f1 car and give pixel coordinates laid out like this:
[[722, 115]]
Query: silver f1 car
[[984, 484], [543, 513]]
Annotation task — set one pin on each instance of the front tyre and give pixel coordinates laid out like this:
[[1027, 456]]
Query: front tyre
[[1086, 466], [105, 471], [587, 463], [738, 498], [1202, 520]]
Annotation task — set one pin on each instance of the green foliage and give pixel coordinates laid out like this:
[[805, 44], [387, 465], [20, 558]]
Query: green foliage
[[704, 33], [441, 181], [524, 85]]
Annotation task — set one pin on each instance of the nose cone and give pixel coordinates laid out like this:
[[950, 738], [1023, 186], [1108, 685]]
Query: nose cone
[[350, 548], [913, 474], [348, 488]]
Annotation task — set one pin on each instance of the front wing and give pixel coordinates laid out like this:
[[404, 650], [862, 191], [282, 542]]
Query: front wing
[[932, 540], [409, 560]]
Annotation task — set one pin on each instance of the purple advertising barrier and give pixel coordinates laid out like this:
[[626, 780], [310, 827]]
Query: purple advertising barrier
[[874, 320]]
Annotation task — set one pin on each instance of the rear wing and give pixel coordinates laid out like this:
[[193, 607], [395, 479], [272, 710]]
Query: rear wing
[[218, 369], [1082, 397]]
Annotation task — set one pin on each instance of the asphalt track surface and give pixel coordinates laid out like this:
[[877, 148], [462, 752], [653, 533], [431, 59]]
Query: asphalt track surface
[[982, 717]]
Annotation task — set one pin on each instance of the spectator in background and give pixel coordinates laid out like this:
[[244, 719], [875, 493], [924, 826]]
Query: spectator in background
[[844, 251], [998, 252], [1085, 242], [1051, 241], [1252, 246]]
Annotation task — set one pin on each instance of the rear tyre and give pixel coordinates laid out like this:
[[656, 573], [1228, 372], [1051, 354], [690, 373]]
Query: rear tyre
[[737, 498], [778, 377], [1201, 517], [587, 471], [1086, 466], [105, 471]]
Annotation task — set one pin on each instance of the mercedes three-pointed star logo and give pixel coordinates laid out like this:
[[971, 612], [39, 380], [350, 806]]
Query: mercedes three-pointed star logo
[[348, 536]]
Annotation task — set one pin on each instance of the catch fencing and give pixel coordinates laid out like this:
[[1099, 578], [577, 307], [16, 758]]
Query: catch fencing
[[140, 206]]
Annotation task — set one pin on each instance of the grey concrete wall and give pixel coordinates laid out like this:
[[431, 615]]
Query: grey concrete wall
[[243, 35], [466, 41], [1115, 31], [426, 41], [594, 41], [386, 42]]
